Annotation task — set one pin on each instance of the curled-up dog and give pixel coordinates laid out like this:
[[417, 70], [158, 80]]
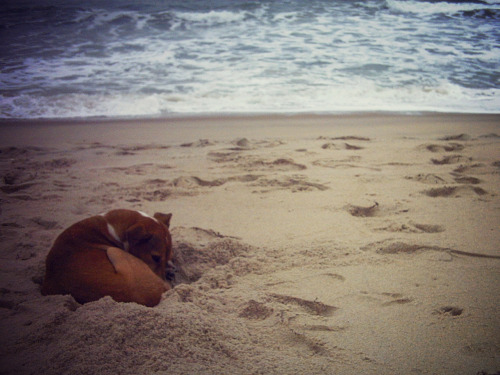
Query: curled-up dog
[[124, 254]]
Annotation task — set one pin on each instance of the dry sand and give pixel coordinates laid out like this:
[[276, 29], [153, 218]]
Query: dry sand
[[360, 244]]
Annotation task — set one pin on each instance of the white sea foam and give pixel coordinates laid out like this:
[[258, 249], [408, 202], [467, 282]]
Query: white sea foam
[[332, 98], [83, 105], [211, 18], [443, 7]]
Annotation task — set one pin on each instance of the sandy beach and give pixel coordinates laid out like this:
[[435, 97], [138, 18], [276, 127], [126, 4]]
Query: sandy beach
[[353, 244]]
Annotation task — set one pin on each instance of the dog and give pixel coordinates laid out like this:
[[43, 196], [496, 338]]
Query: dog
[[123, 254]]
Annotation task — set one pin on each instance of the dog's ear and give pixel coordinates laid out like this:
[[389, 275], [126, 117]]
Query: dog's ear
[[163, 218], [136, 234]]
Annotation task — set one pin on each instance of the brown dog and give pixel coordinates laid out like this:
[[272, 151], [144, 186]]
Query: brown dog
[[123, 254]]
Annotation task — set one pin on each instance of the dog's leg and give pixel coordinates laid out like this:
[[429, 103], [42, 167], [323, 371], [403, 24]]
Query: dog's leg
[[143, 285], [118, 259]]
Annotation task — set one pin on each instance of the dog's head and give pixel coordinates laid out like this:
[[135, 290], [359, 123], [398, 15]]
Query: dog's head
[[151, 242]]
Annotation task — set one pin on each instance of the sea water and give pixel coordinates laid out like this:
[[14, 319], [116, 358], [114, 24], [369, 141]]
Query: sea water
[[157, 58]]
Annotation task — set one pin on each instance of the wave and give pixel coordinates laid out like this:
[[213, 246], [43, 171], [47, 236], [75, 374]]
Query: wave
[[441, 7], [362, 95], [212, 18], [94, 19], [80, 106]]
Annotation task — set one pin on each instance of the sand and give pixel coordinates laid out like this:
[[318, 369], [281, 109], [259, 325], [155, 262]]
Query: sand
[[355, 244]]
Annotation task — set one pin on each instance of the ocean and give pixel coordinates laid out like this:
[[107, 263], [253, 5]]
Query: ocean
[[122, 59]]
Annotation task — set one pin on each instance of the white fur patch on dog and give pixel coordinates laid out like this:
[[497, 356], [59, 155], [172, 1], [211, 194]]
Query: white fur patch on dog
[[112, 233], [148, 216]]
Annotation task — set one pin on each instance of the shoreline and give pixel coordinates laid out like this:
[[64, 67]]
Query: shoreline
[[245, 115], [184, 129]]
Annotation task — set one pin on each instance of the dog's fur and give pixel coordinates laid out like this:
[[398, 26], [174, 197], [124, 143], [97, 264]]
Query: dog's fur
[[123, 254]]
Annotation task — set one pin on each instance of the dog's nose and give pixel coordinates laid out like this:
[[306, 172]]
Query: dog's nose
[[171, 266], [170, 271]]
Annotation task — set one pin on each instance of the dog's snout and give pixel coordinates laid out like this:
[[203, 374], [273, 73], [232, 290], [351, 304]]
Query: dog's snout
[[170, 271], [171, 266]]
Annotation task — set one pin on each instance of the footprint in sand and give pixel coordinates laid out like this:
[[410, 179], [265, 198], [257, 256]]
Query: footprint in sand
[[405, 248], [10, 189], [467, 180], [193, 181], [412, 228], [243, 144], [455, 191], [133, 149], [360, 211], [386, 298], [13, 152], [158, 195], [254, 310], [277, 165], [373, 210], [483, 349], [140, 169], [253, 163], [451, 159], [490, 136], [59, 163], [450, 147], [458, 137], [399, 247], [345, 138], [396, 299], [477, 169], [344, 146], [285, 165], [429, 228], [199, 143], [45, 224], [19, 176], [223, 156], [25, 251], [449, 311], [17, 181], [296, 183], [346, 163], [429, 178], [311, 307]]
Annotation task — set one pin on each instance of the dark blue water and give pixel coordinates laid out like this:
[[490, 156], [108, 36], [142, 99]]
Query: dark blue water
[[161, 58]]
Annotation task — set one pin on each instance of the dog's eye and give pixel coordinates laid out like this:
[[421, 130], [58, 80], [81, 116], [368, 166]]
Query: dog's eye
[[144, 240], [156, 258]]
